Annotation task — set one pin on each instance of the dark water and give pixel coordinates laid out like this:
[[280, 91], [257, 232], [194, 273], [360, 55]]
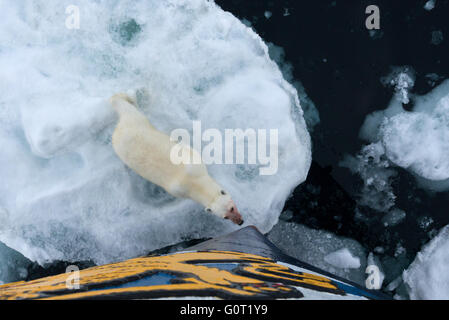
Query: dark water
[[340, 67]]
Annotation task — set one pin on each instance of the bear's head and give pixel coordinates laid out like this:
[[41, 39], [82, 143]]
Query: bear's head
[[225, 207]]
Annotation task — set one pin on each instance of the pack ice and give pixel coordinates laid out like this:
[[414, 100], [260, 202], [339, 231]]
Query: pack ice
[[64, 194], [427, 276], [417, 141]]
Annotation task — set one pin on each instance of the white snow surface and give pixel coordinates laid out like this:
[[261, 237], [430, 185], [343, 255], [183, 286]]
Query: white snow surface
[[417, 141], [403, 80], [64, 194], [430, 5], [342, 259], [427, 277]]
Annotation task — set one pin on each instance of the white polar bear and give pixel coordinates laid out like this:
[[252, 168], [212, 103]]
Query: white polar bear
[[147, 151]]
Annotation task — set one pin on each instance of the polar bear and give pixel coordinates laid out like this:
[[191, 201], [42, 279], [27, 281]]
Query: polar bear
[[146, 150]]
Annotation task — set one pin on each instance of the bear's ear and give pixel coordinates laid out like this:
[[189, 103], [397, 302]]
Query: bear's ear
[[208, 209]]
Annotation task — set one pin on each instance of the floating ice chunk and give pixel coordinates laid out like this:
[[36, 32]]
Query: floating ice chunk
[[295, 240], [393, 285], [427, 276], [429, 5], [268, 14], [417, 141], [379, 250], [374, 169], [437, 37], [403, 80], [394, 217], [343, 259], [400, 250], [425, 222], [67, 194]]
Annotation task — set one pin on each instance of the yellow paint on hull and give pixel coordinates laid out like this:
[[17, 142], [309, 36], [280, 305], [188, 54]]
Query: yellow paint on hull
[[255, 277]]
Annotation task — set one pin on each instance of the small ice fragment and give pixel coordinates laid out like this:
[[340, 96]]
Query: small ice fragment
[[379, 250], [429, 5], [437, 37], [343, 259], [425, 222], [400, 250], [394, 217], [403, 80], [268, 14], [393, 285]]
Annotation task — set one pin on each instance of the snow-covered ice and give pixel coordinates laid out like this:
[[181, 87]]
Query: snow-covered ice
[[402, 79], [430, 5], [343, 259], [419, 141], [311, 113], [427, 277], [64, 194], [416, 140]]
